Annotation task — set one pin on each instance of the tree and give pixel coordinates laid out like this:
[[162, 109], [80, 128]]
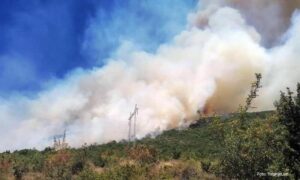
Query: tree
[[288, 110], [253, 92], [252, 146]]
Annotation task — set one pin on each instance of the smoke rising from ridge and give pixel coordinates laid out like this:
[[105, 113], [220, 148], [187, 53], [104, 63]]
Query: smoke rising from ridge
[[211, 65], [271, 18]]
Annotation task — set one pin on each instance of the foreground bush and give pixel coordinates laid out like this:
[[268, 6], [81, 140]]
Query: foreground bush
[[252, 146], [288, 110], [256, 148], [5, 167], [143, 154], [58, 166]]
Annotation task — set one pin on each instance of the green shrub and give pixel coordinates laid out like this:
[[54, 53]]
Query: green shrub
[[143, 154], [124, 172], [206, 165], [20, 167], [252, 148], [5, 167], [88, 174], [288, 110], [58, 166]]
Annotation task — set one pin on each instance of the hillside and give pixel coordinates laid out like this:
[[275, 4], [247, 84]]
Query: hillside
[[181, 154]]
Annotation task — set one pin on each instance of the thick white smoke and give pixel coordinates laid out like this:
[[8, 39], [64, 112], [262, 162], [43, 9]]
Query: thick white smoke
[[271, 18], [209, 65]]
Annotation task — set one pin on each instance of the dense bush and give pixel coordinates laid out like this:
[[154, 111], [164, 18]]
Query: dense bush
[[125, 172], [20, 168], [254, 145], [58, 166], [143, 154], [89, 174], [252, 149], [288, 110], [5, 166]]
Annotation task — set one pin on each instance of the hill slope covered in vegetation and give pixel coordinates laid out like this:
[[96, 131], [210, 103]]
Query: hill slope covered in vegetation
[[240, 145]]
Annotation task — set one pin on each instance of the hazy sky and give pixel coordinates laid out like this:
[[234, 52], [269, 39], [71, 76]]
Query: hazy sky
[[41, 40]]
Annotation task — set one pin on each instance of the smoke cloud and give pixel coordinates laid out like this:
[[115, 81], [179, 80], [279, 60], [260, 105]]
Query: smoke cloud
[[208, 66], [271, 18]]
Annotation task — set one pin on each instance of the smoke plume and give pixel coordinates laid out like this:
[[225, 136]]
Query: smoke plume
[[271, 18], [209, 66]]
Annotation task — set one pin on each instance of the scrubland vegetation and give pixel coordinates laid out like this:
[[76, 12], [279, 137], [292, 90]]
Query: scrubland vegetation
[[240, 145]]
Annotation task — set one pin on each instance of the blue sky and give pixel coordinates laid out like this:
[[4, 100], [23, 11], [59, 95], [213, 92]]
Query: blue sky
[[41, 40]]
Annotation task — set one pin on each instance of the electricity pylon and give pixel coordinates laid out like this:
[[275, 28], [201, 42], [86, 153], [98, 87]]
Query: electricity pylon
[[60, 141], [133, 115]]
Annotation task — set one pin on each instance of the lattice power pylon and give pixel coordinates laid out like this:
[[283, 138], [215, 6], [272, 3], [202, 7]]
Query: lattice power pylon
[[60, 141], [133, 116]]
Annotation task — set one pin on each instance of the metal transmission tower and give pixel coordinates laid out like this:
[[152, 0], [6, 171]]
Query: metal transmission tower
[[60, 141], [133, 115], [64, 136]]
